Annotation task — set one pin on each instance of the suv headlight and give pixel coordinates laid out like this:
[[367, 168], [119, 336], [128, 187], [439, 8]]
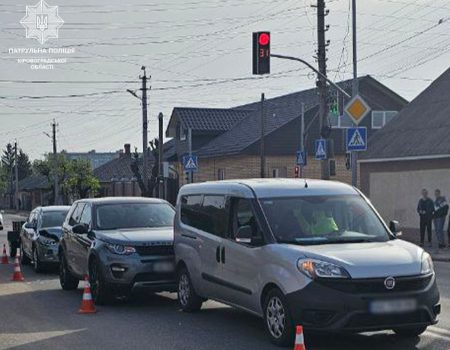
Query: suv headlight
[[120, 249], [427, 264], [321, 269]]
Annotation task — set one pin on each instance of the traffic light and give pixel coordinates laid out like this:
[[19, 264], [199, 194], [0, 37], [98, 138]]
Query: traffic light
[[297, 171], [261, 53]]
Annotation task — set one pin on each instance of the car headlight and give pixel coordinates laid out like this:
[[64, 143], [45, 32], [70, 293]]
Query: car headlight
[[427, 264], [321, 269], [120, 249], [47, 242]]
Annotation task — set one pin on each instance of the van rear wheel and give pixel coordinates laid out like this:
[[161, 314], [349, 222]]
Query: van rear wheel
[[187, 298], [410, 331], [277, 318]]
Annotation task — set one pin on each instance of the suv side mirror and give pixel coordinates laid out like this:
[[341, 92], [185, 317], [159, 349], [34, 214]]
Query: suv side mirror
[[394, 226], [80, 229], [244, 234], [31, 225]]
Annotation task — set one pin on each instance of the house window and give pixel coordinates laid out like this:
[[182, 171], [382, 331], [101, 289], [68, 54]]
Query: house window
[[220, 174], [182, 132], [381, 118], [279, 172]]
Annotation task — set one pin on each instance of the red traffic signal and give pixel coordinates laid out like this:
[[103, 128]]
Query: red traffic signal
[[261, 53]]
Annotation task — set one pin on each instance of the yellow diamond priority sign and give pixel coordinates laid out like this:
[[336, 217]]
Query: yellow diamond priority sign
[[357, 109]]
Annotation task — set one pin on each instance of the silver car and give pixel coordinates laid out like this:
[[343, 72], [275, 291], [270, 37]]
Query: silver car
[[39, 238], [308, 252]]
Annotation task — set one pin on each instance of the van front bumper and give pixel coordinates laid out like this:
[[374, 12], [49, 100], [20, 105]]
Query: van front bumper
[[337, 305]]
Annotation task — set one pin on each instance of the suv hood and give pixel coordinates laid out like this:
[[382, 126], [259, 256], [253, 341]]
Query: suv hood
[[371, 260], [137, 236]]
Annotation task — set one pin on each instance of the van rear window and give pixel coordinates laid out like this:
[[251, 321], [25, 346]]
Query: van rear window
[[207, 213]]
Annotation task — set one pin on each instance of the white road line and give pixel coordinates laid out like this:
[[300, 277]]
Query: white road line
[[438, 333], [438, 330], [12, 340]]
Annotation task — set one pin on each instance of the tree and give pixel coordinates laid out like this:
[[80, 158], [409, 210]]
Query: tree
[[80, 181], [148, 189], [24, 165]]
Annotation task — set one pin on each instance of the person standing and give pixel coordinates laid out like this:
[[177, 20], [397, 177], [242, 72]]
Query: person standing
[[440, 214], [425, 209]]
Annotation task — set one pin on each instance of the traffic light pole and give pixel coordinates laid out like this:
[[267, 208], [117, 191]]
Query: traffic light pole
[[262, 142]]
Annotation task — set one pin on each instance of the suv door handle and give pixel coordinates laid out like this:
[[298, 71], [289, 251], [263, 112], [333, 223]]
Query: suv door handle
[[223, 255], [218, 254]]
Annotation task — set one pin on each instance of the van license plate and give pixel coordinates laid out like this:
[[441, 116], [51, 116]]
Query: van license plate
[[394, 306], [163, 266]]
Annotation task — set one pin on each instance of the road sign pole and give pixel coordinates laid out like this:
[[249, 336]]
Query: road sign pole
[[191, 174], [354, 155], [302, 136]]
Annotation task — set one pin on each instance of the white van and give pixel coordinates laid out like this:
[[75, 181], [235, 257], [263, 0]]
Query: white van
[[300, 252]]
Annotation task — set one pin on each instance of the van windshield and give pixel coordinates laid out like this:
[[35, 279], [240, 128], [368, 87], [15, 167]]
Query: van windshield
[[323, 220]]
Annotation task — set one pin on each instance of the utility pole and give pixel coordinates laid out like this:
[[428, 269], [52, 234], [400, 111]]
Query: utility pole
[[144, 130], [16, 170], [354, 155], [161, 179], [55, 164], [302, 137], [190, 173], [322, 81], [263, 132]]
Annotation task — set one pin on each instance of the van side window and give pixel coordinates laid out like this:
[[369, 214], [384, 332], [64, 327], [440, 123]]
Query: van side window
[[216, 215], [191, 211], [243, 215]]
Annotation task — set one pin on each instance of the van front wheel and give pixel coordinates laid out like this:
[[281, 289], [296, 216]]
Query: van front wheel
[[277, 318], [187, 298]]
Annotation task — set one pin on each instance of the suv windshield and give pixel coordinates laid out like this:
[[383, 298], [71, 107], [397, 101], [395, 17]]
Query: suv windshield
[[53, 218], [323, 219], [133, 215]]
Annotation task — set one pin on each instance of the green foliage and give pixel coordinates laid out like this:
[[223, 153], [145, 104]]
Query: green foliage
[[7, 164]]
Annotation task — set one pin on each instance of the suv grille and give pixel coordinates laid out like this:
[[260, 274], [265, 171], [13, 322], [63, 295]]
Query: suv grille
[[376, 285], [162, 250]]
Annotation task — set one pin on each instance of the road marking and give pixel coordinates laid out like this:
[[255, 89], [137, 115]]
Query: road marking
[[11, 340], [436, 332]]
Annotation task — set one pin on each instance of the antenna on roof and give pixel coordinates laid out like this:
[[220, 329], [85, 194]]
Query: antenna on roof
[[306, 184]]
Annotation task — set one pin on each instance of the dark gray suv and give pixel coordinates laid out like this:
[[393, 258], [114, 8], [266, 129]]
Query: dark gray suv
[[119, 243]]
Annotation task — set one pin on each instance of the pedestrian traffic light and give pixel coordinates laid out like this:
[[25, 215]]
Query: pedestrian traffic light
[[297, 171], [261, 53]]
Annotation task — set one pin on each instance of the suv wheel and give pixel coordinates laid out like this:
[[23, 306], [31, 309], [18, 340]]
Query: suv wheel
[[410, 331], [66, 279], [37, 264], [187, 298], [24, 259], [101, 294], [277, 318]]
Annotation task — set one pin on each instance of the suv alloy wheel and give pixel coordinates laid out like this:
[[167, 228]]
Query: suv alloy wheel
[[66, 279]]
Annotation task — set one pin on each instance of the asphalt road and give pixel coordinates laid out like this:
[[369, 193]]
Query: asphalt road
[[37, 314]]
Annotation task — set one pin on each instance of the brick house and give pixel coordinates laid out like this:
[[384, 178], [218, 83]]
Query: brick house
[[411, 153], [227, 141]]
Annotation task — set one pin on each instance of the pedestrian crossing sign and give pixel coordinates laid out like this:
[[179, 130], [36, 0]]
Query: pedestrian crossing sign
[[301, 158], [356, 139], [190, 163], [321, 149]]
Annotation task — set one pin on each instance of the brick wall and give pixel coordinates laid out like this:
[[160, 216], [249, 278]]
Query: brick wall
[[244, 166]]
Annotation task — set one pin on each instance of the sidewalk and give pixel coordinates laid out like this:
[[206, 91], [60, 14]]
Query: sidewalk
[[436, 254]]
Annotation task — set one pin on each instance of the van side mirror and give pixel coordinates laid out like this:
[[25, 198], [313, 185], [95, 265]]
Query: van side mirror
[[80, 229], [394, 226], [244, 234]]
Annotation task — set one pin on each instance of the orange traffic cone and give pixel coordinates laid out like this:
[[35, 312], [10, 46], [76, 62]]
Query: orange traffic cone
[[17, 276], [299, 339], [4, 256], [87, 305]]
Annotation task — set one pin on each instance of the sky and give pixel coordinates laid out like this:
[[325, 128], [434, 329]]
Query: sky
[[198, 54]]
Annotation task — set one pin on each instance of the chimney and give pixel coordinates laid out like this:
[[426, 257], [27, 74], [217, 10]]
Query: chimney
[[127, 148]]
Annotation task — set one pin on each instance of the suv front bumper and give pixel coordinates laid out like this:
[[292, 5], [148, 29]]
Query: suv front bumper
[[322, 307], [135, 270]]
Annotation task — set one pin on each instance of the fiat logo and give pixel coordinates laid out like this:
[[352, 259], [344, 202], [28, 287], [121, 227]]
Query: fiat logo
[[389, 283]]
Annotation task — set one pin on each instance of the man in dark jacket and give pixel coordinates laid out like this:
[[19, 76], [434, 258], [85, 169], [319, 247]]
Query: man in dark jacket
[[425, 209], [440, 214]]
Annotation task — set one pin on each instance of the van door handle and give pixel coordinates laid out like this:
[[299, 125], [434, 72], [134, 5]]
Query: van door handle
[[218, 254], [223, 255]]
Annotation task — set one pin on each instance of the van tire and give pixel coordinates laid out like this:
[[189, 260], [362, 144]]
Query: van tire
[[275, 299], [410, 332], [187, 298]]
